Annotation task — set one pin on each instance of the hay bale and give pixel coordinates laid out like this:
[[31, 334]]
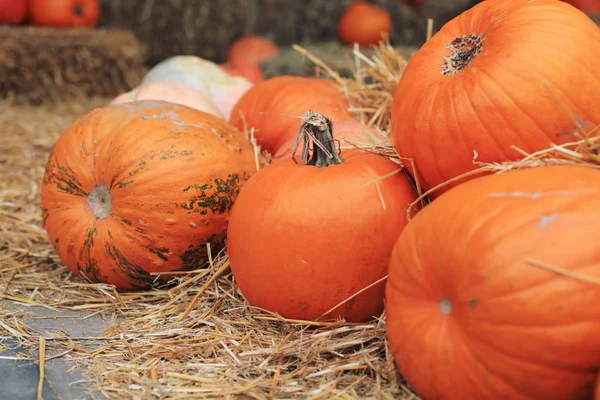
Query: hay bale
[[207, 28], [41, 64]]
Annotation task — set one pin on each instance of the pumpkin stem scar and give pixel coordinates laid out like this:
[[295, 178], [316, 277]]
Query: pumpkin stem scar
[[100, 202], [446, 306], [463, 49], [318, 129]]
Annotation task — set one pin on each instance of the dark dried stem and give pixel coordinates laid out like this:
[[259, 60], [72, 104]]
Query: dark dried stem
[[321, 158], [318, 130]]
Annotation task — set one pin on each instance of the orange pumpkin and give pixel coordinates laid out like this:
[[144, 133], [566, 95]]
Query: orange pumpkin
[[489, 80], [13, 11], [350, 130], [245, 69], [597, 391], [142, 187], [64, 13], [304, 238], [253, 49], [473, 306], [364, 23], [261, 107]]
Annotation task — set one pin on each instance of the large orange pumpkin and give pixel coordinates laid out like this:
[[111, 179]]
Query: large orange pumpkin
[[261, 106], [476, 307], [142, 187], [490, 79], [304, 238]]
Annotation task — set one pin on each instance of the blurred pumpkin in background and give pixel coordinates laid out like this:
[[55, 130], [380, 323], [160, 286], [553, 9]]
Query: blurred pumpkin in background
[[172, 93], [587, 6], [203, 75], [364, 23], [245, 69], [64, 13], [255, 49], [12, 11]]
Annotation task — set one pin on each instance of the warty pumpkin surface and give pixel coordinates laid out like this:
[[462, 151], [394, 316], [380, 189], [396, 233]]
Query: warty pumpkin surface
[[142, 187], [261, 107], [472, 311], [303, 238], [498, 75]]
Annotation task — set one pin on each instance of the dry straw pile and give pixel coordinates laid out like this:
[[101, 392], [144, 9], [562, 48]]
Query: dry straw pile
[[196, 337]]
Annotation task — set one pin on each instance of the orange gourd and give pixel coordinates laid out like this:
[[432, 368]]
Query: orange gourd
[[303, 238], [489, 80], [140, 188], [479, 301], [64, 13], [364, 23], [261, 106]]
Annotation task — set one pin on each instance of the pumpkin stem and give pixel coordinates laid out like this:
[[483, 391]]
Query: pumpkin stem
[[100, 202], [78, 10], [318, 129], [464, 50]]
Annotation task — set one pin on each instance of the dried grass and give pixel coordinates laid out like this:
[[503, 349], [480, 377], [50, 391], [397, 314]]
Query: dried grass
[[196, 337]]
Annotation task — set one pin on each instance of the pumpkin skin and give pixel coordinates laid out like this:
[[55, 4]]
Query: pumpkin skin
[[64, 13], [292, 96], [587, 6], [169, 175], [327, 236], [170, 92], [364, 23], [351, 130], [254, 49], [597, 391], [13, 11], [465, 296], [499, 99]]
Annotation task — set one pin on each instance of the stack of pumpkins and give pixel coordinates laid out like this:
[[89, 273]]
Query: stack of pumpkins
[[492, 288]]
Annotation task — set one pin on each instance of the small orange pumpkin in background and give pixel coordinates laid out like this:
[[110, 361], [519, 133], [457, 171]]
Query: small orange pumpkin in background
[[13, 11], [364, 23], [142, 187], [477, 307], [303, 238], [245, 69], [64, 13], [488, 80], [261, 107], [170, 92], [253, 49]]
